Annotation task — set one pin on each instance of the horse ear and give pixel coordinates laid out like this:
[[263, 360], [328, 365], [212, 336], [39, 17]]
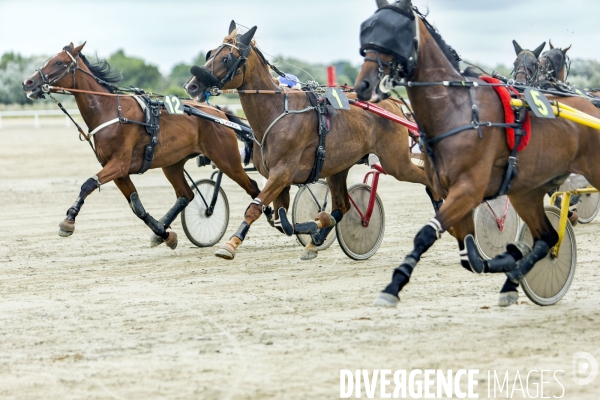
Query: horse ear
[[247, 37], [550, 42], [403, 5], [518, 48], [232, 26], [539, 50], [77, 49], [567, 49], [382, 3]]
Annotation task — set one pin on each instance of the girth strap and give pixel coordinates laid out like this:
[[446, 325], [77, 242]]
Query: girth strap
[[151, 110], [320, 106]]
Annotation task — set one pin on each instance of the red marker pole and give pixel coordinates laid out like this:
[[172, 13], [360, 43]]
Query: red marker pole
[[331, 78]]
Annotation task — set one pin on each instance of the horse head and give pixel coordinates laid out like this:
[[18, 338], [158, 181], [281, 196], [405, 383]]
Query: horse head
[[555, 63], [526, 66], [389, 45], [58, 70], [225, 66]]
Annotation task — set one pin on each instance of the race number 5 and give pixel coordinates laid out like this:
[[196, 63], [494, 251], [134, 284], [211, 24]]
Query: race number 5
[[538, 103], [173, 104]]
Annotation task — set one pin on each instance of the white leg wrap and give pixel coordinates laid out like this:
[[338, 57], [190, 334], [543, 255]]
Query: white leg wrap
[[435, 224]]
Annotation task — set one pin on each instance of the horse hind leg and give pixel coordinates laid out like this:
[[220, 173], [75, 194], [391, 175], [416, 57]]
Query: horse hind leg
[[166, 221], [67, 226], [324, 223], [519, 258]]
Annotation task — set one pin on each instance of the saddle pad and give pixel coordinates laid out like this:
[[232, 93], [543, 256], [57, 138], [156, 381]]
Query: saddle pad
[[509, 115]]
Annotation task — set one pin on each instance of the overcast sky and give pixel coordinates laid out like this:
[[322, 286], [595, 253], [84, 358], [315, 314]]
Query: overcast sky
[[166, 32]]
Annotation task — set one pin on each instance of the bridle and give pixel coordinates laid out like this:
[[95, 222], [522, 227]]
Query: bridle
[[386, 82], [55, 76], [397, 70], [233, 63], [531, 74], [50, 79], [552, 71]]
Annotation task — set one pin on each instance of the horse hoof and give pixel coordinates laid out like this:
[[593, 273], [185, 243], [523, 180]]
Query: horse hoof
[[156, 240], [66, 228], [574, 218], [171, 240], [226, 251], [508, 299], [386, 300], [308, 255]]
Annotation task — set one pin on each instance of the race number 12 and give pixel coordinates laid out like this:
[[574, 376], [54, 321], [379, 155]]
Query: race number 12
[[173, 104]]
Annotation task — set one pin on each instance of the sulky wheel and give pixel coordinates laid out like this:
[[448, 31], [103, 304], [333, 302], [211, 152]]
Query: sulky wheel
[[496, 225], [551, 277], [587, 207], [360, 242], [202, 229], [310, 201]]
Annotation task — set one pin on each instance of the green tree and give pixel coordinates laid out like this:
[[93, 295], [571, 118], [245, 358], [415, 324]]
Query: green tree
[[14, 68], [584, 73], [136, 72], [180, 73]]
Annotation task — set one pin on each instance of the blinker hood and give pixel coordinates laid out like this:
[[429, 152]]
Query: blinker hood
[[388, 32]]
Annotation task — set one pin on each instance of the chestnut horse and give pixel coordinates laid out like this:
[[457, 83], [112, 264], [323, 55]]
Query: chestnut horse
[[286, 130], [398, 43], [120, 147]]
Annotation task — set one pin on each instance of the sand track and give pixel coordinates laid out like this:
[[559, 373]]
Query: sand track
[[101, 315]]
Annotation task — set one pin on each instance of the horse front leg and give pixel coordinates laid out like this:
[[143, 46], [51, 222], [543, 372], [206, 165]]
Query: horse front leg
[[281, 201], [128, 189], [278, 181], [108, 173], [461, 200]]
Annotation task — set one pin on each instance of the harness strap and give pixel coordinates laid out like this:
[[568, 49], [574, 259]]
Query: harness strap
[[472, 125], [322, 115], [285, 112], [104, 125]]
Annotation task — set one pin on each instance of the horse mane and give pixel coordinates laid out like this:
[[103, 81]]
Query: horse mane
[[101, 69], [448, 51]]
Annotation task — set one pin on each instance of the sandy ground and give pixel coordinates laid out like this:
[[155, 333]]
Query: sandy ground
[[101, 315]]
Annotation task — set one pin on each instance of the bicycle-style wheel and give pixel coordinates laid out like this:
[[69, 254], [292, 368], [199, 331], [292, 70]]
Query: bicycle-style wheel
[[496, 225], [205, 230], [587, 207], [357, 241], [306, 207], [551, 277]]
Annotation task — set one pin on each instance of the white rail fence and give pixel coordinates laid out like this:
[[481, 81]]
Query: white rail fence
[[36, 114]]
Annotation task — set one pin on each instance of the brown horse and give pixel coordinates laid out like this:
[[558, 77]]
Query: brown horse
[[556, 63], [120, 147], [527, 66], [400, 44], [532, 68], [286, 129]]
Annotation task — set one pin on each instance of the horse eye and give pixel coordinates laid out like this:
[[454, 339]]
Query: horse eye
[[58, 63], [224, 60]]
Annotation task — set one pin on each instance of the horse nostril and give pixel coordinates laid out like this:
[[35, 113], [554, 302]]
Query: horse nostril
[[192, 88], [28, 82]]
